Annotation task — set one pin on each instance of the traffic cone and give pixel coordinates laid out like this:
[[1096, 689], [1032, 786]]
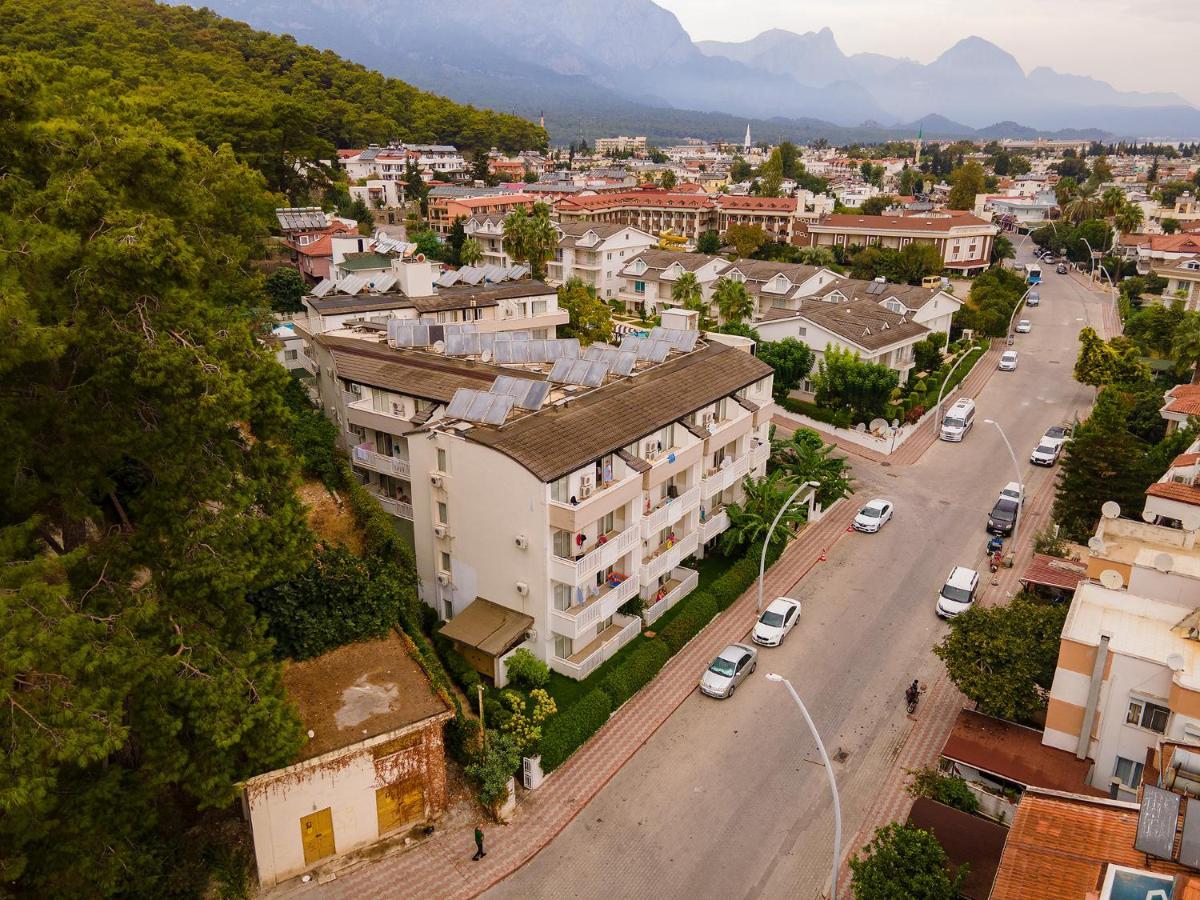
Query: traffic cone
[[822, 557]]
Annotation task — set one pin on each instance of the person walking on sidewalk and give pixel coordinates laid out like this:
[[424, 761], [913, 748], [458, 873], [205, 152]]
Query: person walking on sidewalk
[[479, 852]]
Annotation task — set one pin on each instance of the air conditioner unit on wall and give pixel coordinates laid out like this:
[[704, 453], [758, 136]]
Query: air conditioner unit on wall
[[435, 480], [443, 579], [440, 531], [522, 542], [522, 588]]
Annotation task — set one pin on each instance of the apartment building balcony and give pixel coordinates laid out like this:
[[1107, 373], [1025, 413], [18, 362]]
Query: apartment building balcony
[[578, 619], [760, 452], [398, 508], [669, 512], [601, 556], [603, 499], [729, 429], [717, 480], [665, 558], [683, 582], [714, 524], [367, 458], [362, 412], [585, 661], [307, 363]]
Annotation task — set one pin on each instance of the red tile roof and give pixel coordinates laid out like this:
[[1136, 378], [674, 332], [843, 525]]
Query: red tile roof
[[1052, 572], [1184, 399], [322, 246], [640, 198], [900, 223], [1163, 243], [1171, 490], [734, 203], [1184, 459], [1015, 753], [1059, 844]]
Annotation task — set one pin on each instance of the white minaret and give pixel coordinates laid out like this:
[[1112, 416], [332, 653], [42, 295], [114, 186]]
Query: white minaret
[[746, 145]]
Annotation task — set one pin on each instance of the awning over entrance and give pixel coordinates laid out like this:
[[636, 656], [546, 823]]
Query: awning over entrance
[[488, 627]]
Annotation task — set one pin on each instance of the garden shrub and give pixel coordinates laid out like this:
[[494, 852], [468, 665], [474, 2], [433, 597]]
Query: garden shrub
[[567, 731], [525, 670], [687, 624], [460, 670], [635, 672]]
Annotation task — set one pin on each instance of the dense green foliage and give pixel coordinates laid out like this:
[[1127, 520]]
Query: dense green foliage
[[845, 381], [338, 599], [750, 518], [991, 302], [526, 670], [589, 318], [284, 287], [1073, 241], [1102, 362], [805, 457], [689, 622], [927, 353], [219, 81], [745, 239], [708, 242], [1003, 657], [733, 300], [903, 862], [643, 664], [907, 266], [949, 790], [567, 731], [529, 237], [791, 359], [492, 768]]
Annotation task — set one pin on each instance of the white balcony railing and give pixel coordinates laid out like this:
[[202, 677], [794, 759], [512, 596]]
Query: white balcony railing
[[718, 480], [625, 629], [687, 578], [364, 456], [348, 398], [398, 508], [668, 558], [575, 621], [759, 454], [670, 512], [713, 525], [306, 362], [573, 571]]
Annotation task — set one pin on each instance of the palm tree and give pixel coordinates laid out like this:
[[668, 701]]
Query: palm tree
[[1128, 218], [1002, 248], [1081, 207], [470, 252], [1112, 200], [734, 302], [516, 228], [750, 518], [1186, 345], [805, 457], [529, 237], [687, 292]]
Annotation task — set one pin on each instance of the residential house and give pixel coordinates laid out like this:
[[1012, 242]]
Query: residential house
[[964, 241], [1175, 498], [649, 277], [1182, 402], [488, 231], [373, 764], [312, 251], [595, 252], [651, 211], [444, 210], [620, 144], [1183, 278], [777, 216], [288, 346], [301, 220], [384, 197], [598, 485], [934, 308], [1158, 249]]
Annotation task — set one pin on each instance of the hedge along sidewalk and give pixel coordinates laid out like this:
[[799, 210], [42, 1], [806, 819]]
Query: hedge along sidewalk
[[440, 866]]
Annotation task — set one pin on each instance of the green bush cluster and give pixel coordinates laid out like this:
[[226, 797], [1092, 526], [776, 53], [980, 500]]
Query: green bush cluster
[[838, 418], [380, 537], [567, 731], [460, 669], [698, 612], [642, 665]]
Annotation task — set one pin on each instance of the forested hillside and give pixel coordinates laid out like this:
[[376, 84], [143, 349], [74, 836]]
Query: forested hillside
[[147, 470], [220, 81]]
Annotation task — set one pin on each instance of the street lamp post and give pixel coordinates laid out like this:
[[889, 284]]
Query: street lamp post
[[837, 806], [1017, 469], [762, 560]]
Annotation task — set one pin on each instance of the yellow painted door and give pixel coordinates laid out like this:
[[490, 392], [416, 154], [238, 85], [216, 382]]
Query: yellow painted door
[[316, 833], [400, 803]]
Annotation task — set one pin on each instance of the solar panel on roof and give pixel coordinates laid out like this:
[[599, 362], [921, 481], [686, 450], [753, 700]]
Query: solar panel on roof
[[323, 287], [594, 376], [515, 272], [501, 406], [448, 279], [1189, 846], [353, 284], [480, 404], [1157, 822], [687, 341], [536, 395], [658, 351], [456, 345], [595, 351], [502, 353], [471, 275], [460, 403], [625, 362], [383, 282], [630, 342], [570, 347], [561, 370]]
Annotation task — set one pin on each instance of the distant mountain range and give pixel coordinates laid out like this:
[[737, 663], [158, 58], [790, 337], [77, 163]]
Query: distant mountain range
[[628, 65]]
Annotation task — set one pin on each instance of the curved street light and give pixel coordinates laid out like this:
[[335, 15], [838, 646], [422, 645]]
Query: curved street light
[[837, 805], [762, 560]]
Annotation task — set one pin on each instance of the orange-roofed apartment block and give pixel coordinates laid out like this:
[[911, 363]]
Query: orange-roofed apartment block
[[964, 241]]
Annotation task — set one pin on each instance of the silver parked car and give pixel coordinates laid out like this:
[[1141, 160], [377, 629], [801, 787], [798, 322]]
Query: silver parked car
[[731, 667]]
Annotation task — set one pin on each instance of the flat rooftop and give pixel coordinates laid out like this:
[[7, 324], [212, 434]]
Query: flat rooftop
[[1140, 544], [357, 692]]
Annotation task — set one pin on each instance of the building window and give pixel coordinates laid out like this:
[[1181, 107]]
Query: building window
[[1145, 714], [447, 609], [1128, 771], [562, 544], [562, 595], [445, 561], [639, 287], [290, 355], [441, 513], [538, 308], [562, 646], [442, 461], [560, 490]]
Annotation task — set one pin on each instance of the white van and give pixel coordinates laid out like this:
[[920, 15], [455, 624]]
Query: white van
[[958, 593], [959, 419]]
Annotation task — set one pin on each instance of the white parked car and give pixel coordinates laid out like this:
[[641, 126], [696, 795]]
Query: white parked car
[[1056, 436], [1024, 326], [958, 593], [1014, 491], [776, 621], [732, 666], [1008, 361], [1045, 454], [874, 515]]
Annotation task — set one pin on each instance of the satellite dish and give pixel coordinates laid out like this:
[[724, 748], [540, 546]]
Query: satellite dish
[[895, 423], [1175, 662], [439, 346], [878, 424], [486, 356], [1190, 520], [1095, 545], [1112, 579], [1148, 516], [1111, 509], [1164, 562], [860, 427]]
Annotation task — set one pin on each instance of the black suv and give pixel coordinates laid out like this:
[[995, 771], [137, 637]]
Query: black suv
[[1002, 517]]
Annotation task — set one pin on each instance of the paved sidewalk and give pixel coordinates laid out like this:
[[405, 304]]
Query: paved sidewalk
[[441, 866]]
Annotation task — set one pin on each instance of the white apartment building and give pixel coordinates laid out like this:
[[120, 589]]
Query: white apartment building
[[595, 253], [620, 144], [434, 161], [648, 278], [488, 231], [536, 531], [964, 241], [1128, 673]]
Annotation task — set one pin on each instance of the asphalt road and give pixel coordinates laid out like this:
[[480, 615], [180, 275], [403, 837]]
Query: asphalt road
[[728, 798]]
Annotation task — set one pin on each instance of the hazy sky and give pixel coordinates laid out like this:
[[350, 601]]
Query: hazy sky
[[1132, 44]]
